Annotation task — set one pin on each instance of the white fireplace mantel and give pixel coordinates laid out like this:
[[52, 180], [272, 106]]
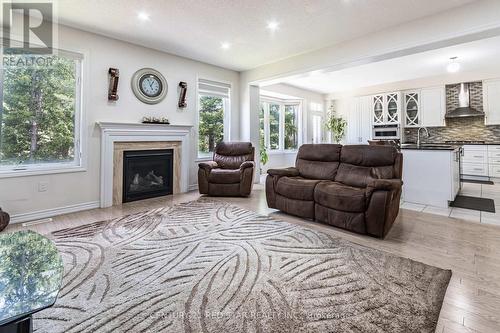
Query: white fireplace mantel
[[112, 132]]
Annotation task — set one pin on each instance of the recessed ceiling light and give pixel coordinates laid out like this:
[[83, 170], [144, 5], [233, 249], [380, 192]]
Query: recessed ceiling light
[[453, 66], [273, 25], [143, 16], [225, 45]]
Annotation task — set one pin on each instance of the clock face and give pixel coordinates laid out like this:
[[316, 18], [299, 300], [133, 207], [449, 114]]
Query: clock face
[[150, 85]]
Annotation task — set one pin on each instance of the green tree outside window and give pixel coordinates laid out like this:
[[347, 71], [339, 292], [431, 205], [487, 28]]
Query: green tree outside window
[[38, 111], [211, 123]]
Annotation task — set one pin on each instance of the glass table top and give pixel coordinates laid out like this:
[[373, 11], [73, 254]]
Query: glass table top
[[31, 272]]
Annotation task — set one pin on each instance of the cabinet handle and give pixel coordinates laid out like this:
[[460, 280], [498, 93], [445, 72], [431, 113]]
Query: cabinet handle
[[477, 169], [478, 156]]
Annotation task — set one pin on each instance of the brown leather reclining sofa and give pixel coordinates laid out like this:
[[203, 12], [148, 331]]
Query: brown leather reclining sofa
[[230, 173], [356, 187]]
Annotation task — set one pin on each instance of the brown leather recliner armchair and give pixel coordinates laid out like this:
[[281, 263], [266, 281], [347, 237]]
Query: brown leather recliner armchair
[[231, 172], [355, 187]]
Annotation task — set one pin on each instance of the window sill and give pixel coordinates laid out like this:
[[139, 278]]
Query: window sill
[[203, 159], [281, 152], [40, 171]]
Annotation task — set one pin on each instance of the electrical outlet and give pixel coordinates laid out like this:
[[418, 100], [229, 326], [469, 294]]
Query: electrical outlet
[[43, 186]]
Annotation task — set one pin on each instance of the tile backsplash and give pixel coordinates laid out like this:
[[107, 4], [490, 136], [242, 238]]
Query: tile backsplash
[[466, 129]]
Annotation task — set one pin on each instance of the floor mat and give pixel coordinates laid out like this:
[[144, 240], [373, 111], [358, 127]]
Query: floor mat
[[474, 203], [474, 181]]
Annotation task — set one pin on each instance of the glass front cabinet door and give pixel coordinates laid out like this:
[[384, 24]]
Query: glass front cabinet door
[[411, 109], [392, 108], [378, 109], [386, 109]]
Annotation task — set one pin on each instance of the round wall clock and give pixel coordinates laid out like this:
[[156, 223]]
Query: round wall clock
[[149, 86]]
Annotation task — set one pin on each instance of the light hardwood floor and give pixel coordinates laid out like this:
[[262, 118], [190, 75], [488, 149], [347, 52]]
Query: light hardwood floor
[[471, 250]]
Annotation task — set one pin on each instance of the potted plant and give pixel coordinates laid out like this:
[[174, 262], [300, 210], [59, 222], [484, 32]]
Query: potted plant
[[336, 125], [264, 157]]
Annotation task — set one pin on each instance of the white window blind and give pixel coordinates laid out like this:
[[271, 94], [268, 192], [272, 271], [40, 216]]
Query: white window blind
[[214, 88]]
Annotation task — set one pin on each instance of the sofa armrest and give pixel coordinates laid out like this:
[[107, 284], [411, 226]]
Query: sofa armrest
[[288, 172], [247, 164], [383, 199], [208, 165], [385, 185]]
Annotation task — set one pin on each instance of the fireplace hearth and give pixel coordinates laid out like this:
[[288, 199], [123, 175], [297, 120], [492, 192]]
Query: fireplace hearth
[[147, 174]]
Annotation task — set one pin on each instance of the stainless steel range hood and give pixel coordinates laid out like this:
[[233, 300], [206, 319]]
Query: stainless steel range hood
[[464, 109]]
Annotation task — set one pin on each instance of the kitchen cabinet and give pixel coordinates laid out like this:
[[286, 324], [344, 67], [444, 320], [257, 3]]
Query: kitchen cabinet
[[357, 112], [411, 109], [475, 161], [424, 107], [386, 108], [494, 160], [436, 188], [480, 161], [433, 106], [491, 101]]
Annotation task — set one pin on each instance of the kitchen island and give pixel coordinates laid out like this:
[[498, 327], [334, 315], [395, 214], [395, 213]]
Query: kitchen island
[[431, 174]]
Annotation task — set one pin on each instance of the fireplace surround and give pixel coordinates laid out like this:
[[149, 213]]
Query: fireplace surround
[[119, 137]]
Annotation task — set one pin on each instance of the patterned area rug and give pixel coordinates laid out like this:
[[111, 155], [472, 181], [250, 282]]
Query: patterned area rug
[[207, 266]]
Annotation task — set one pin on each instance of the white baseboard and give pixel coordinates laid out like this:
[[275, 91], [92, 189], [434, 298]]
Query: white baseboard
[[42, 214], [193, 187]]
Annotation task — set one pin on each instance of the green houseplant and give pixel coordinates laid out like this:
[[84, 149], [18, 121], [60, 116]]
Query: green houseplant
[[264, 157], [336, 125]]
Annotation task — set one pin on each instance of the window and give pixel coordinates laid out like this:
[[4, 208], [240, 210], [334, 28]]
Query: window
[[274, 126], [214, 107], [280, 124], [40, 112], [291, 126], [317, 122]]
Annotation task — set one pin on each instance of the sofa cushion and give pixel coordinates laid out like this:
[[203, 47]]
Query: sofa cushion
[[224, 176], [360, 164], [318, 161], [341, 197], [368, 156], [230, 155], [295, 207], [296, 187], [347, 220]]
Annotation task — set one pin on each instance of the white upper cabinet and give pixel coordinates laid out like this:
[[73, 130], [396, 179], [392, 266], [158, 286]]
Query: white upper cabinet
[[433, 106], [392, 106], [411, 109], [357, 112], [386, 108], [491, 101], [378, 109]]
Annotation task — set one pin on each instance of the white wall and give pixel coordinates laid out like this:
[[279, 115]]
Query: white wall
[[19, 195], [277, 160]]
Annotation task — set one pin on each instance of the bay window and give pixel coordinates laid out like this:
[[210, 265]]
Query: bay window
[[280, 124]]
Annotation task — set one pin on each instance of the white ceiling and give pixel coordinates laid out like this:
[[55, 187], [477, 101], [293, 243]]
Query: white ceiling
[[196, 28], [475, 56]]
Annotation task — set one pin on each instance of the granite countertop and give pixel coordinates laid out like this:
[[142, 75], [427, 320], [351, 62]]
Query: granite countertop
[[490, 143], [429, 146]]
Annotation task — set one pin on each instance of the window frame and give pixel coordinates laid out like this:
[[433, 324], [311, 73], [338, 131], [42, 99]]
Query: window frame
[[226, 136], [267, 132], [80, 162]]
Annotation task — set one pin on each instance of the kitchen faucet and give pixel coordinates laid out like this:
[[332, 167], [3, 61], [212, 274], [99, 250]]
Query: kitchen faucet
[[418, 135]]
